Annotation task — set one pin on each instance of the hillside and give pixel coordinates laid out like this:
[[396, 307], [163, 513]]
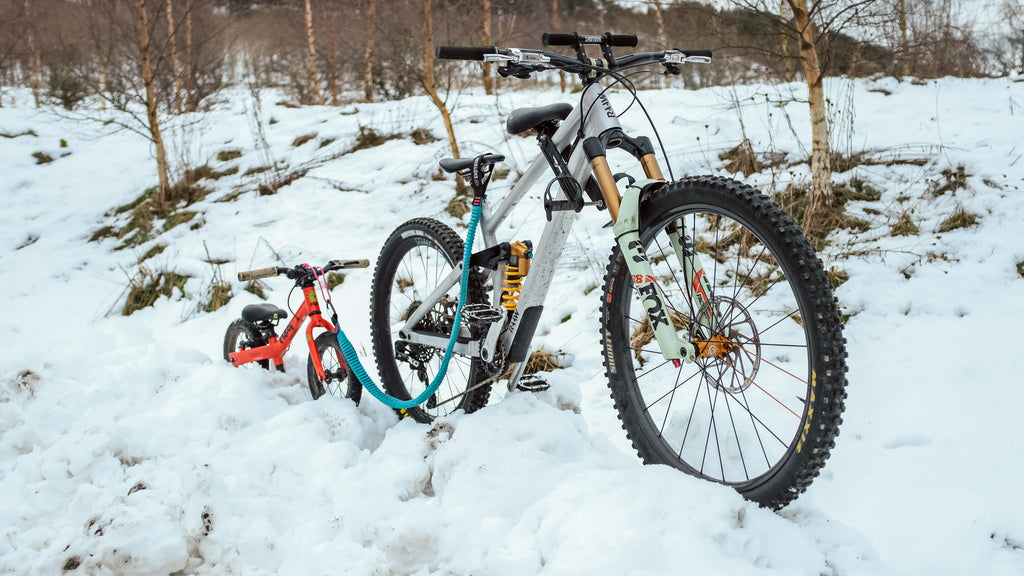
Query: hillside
[[127, 445]]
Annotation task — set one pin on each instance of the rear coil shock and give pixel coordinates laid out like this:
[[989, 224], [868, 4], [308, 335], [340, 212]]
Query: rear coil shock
[[516, 269]]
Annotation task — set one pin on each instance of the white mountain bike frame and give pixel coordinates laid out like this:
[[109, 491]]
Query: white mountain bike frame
[[512, 338]]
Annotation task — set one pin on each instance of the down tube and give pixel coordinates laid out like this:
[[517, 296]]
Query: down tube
[[542, 271]]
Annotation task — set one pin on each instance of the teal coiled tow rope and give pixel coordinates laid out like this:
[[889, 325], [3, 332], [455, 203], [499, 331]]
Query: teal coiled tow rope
[[353, 359]]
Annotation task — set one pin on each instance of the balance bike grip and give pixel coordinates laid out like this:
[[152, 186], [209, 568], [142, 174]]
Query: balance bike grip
[[355, 263], [256, 274], [463, 52]]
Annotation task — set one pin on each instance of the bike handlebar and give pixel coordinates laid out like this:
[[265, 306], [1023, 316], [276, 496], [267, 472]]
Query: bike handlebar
[[299, 271], [463, 52], [554, 39], [521, 62]]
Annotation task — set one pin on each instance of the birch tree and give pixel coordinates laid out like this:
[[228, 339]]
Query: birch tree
[[429, 83], [175, 61], [314, 85], [486, 38], [33, 52], [145, 53], [371, 21]]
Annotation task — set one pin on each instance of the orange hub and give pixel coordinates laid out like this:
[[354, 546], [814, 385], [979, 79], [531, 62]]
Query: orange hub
[[717, 347]]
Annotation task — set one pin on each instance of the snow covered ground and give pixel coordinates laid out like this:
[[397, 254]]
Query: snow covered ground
[[127, 446]]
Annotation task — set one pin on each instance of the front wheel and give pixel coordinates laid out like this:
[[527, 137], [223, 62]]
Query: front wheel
[[338, 380], [415, 260], [760, 408]]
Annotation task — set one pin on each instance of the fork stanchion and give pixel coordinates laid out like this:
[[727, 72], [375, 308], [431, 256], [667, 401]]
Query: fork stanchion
[[595, 152]]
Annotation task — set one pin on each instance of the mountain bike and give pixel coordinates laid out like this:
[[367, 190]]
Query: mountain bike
[[253, 339], [722, 341]]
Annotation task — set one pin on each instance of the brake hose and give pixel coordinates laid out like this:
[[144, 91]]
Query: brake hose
[[353, 359]]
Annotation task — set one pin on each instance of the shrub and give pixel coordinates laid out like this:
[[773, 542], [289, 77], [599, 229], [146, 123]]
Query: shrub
[[147, 286]]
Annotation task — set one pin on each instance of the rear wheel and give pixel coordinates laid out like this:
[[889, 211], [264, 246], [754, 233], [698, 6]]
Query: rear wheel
[[760, 408], [338, 380], [414, 261], [244, 335]]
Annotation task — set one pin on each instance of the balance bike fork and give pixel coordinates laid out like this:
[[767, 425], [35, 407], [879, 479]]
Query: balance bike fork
[[627, 235]]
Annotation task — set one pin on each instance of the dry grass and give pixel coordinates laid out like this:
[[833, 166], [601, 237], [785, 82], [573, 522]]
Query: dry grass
[[960, 218], [544, 360], [299, 141], [421, 136], [820, 224], [228, 155], [742, 159], [334, 279], [148, 285], [904, 226], [837, 277], [954, 180], [370, 138], [457, 207]]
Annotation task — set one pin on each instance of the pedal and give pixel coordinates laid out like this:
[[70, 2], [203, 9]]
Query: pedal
[[481, 315], [532, 384]]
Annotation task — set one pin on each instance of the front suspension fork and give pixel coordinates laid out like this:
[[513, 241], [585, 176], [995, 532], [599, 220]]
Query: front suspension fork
[[627, 235], [625, 213]]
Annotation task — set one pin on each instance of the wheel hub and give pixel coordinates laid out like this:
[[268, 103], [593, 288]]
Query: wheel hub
[[730, 357]]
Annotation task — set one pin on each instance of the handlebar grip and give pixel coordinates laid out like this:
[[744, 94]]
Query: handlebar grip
[[555, 39], [355, 264], [463, 52], [704, 53], [257, 274], [626, 40]]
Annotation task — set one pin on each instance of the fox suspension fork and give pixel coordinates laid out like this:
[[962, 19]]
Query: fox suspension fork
[[625, 213]]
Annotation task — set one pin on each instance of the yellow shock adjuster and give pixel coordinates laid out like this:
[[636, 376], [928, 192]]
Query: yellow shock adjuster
[[516, 269]]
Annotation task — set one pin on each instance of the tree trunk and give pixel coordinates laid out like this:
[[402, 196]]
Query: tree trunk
[[556, 26], [904, 42], [371, 17], [486, 37], [430, 86], [151, 112], [33, 53], [600, 17], [175, 62], [662, 37], [787, 63], [332, 62], [190, 82], [102, 87], [821, 168], [314, 85]]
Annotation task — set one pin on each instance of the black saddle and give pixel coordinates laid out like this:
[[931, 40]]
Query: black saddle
[[523, 119], [262, 312], [459, 164]]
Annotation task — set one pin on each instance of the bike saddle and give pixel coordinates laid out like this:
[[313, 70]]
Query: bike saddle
[[459, 164], [523, 119], [262, 312]]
